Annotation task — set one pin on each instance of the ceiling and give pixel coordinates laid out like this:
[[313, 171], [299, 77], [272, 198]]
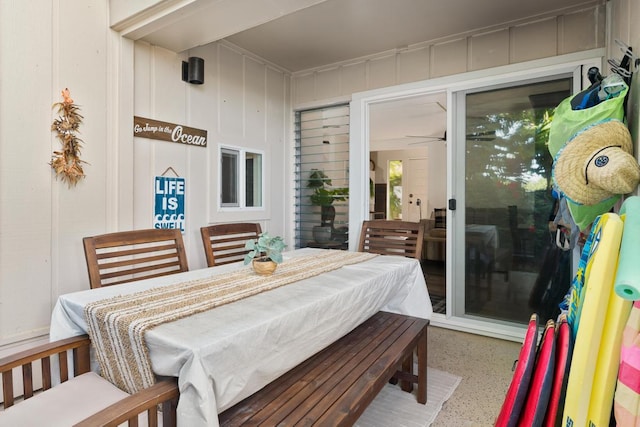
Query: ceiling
[[324, 32], [338, 30]]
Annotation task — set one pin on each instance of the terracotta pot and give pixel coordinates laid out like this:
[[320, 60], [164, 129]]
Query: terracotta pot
[[264, 268]]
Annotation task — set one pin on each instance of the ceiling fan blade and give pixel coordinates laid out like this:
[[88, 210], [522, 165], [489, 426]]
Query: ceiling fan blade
[[488, 135], [482, 133], [430, 141], [472, 136], [433, 137]]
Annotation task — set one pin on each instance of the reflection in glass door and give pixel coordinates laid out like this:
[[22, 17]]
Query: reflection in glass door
[[511, 266]]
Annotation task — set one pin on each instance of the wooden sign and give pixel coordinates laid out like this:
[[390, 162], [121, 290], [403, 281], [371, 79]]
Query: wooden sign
[[164, 131], [169, 195]]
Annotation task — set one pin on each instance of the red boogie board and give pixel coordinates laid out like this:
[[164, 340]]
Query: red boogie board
[[517, 392], [555, 408], [535, 406]]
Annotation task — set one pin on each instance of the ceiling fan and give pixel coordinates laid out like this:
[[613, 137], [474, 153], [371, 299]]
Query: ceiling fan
[[428, 138], [473, 136], [488, 135]]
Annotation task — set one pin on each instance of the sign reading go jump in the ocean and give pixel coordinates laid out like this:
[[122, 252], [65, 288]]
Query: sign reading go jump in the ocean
[[169, 202]]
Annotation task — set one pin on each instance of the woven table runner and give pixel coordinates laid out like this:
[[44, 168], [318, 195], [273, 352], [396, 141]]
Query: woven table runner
[[117, 325]]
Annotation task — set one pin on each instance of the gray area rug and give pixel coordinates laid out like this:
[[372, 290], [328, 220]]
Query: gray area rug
[[394, 407]]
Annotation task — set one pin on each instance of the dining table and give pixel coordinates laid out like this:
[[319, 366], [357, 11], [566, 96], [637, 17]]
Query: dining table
[[224, 354]]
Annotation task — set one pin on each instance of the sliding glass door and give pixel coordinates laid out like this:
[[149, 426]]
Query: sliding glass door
[[501, 264], [511, 265]]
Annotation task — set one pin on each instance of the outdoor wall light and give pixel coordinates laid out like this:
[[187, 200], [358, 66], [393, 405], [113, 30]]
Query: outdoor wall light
[[193, 71]]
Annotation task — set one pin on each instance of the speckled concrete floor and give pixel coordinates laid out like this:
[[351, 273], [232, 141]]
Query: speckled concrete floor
[[485, 367]]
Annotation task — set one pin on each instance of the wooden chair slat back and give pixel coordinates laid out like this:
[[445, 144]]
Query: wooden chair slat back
[[389, 237], [224, 243], [126, 256]]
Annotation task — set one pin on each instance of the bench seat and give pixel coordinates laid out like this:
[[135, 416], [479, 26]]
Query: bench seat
[[334, 386]]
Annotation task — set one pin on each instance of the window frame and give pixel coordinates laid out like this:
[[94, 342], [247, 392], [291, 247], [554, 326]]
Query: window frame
[[241, 192]]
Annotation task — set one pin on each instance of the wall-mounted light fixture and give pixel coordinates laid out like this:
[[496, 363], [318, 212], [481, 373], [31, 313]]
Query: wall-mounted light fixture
[[193, 71]]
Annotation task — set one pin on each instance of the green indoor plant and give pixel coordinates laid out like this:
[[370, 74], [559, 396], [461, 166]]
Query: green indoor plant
[[324, 195], [265, 252]]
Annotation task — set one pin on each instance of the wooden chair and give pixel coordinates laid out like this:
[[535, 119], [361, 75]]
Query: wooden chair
[[125, 256], [224, 243], [388, 237], [82, 397]]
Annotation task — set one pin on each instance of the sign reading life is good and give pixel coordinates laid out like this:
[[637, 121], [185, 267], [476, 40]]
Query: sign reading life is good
[[164, 131], [169, 203]]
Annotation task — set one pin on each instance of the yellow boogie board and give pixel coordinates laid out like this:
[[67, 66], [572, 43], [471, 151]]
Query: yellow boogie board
[[606, 375], [620, 303], [603, 259]]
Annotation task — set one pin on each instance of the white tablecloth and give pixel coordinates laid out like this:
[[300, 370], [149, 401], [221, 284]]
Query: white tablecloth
[[486, 235], [226, 354]]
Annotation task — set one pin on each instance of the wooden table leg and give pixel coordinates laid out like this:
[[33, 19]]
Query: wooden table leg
[[422, 366]]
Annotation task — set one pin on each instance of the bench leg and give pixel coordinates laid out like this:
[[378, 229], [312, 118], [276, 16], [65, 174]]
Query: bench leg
[[407, 366], [406, 377], [422, 367]]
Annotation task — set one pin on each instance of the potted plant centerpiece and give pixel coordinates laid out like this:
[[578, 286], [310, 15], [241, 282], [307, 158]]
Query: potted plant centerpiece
[[265, 253], [324, 195]]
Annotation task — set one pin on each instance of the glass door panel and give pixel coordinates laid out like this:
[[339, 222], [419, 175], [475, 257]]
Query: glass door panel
[[511, 265]]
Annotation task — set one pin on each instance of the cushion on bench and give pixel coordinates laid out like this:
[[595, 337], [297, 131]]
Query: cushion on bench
[[65, 404]]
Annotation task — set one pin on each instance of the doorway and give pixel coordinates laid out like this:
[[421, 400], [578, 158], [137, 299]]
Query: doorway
[[450, 172], [409, 135]]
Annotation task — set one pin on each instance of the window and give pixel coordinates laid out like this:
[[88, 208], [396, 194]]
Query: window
[[240, 170], [322, 177], [229, 177], [253, 181]]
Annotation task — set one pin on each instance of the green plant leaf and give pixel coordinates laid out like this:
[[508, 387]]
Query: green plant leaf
[[318, 178], [265, 247]]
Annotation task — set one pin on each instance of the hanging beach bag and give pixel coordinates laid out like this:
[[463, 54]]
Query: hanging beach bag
[[567, 123]]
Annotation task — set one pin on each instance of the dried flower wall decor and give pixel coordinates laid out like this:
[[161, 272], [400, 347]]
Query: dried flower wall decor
[[66, 163]]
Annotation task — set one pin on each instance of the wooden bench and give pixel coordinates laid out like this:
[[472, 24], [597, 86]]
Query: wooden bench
[[335, 386]]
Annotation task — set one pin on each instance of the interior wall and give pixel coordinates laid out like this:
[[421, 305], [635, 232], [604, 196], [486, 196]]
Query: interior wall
[[45, 47], [436, 171], [243, 103]]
